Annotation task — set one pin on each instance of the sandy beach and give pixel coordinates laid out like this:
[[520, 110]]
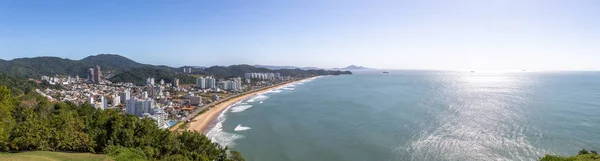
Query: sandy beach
[[200, 122]]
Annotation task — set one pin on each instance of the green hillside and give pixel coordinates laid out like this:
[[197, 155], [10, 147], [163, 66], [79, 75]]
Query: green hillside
[[139, 75], [32, 123], [582, 155], [127, 70], [52, 156], [38, 66]]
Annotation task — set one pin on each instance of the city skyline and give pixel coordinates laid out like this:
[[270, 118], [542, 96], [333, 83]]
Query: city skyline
[[439, 35]]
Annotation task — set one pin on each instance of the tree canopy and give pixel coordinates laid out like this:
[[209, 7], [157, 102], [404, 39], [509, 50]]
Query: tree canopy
[[31, 123], [582, 155]]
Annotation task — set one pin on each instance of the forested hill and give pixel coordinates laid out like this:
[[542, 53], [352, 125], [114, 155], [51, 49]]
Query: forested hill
[[139, 75], [127, 70], [239, 70], [38, 66], [20, 86]]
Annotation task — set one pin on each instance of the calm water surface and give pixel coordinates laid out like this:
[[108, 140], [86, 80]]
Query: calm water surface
[[418, 115]]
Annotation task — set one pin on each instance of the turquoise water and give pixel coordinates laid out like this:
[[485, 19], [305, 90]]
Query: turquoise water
[[418, 115]]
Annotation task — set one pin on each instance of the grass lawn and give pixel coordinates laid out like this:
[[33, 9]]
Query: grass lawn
[[52, 156]]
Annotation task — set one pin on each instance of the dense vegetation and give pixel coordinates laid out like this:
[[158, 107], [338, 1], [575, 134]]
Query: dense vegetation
[[50, 66], [32, 123], [240, 70], [127, 70], [139, 76], [19, 86], [52, 156], [583, 155]]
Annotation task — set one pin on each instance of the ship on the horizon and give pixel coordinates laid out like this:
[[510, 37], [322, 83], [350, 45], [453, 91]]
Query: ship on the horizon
[[385, 72]]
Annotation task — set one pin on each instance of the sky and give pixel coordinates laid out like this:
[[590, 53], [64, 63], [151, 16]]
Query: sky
[[395, 34]]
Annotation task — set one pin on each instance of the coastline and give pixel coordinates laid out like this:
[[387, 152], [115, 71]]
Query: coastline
[[202, 121]]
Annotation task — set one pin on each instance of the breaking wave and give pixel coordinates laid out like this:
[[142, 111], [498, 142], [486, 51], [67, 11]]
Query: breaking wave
[[241, 128], [240, 108], [217, 134], [259, 97]]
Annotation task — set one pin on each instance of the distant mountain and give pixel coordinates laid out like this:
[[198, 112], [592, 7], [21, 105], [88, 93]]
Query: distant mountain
[[353, 67], [193, 67], [112, 62], [310, 68], [38, 66], [274, 67], [127, 70]]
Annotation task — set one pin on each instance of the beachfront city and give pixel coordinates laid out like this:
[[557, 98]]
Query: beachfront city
[[308, 80], [165, 103]]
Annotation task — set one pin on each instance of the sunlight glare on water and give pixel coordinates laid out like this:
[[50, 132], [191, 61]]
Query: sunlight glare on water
[[479, 118]]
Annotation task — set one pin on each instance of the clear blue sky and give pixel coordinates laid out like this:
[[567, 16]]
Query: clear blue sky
[[395, 34]]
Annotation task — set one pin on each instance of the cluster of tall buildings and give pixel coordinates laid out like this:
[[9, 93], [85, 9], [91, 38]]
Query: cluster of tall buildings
[[206, 83], [100, 104], [234, 84], [147, 108], [138, 107], [262, 76], [95, 75], [150, 81], [187, 70]]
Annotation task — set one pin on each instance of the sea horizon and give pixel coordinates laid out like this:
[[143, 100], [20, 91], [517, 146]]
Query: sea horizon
[[427, 115]]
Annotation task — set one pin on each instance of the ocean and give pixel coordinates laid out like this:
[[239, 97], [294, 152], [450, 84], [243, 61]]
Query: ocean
[[418, 115]]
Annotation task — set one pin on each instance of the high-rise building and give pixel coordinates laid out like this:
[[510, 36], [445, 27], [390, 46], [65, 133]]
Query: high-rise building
[[116, 100], [234, 85], [98, 73], [124, 96], [211, 83], [187, 70], [139, 107], [160, 117], [91, 76], [145, 95], [131, 106], [103, 104], [223, 85], [271, 76], [201, 83], [162, 82], [176, 82]]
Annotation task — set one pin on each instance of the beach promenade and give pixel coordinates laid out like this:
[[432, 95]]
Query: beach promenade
[[199, 122]]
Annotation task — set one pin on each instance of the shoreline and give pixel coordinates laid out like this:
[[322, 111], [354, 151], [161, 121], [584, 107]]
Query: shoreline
[[201, 122]]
